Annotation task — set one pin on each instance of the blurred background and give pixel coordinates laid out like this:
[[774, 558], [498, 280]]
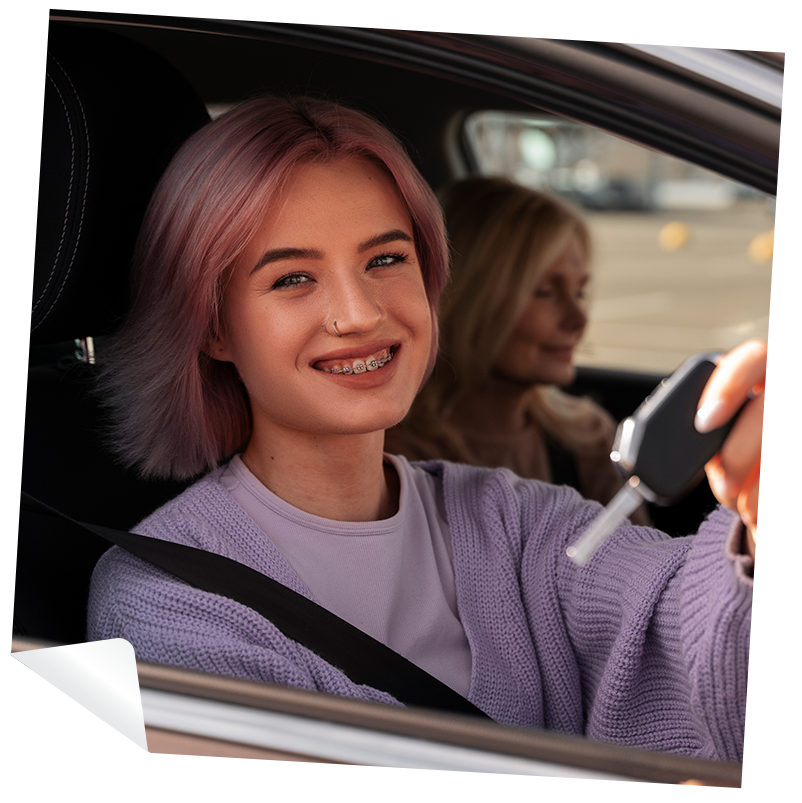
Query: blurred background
[[682, 257]]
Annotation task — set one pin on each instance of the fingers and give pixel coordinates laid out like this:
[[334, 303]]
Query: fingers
[[740, 454], [738, 373], [741, 449], [734, 473]]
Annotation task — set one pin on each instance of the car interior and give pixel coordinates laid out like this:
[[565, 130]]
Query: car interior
[[118, 100], [107, 134]]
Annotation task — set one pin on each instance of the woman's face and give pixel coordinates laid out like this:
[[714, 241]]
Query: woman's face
[[336, 246], [540, 349]]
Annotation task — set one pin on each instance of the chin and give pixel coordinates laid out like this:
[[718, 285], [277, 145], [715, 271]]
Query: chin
[[543, 371], [560, 377], [565, 377], [372, 421]]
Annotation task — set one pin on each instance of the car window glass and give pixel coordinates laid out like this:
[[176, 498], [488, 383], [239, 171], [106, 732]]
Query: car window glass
[[681, 256]]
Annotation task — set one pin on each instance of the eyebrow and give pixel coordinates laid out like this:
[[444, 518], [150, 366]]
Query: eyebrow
[[282, 254], [392, 236], [548, 274]]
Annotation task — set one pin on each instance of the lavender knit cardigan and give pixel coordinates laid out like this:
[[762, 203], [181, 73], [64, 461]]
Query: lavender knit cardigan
[[647, 645]]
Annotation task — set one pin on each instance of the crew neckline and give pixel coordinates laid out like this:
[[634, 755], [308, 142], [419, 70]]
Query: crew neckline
[[263, 495]]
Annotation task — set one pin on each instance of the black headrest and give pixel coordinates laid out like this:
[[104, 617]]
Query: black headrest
[[114, 114]]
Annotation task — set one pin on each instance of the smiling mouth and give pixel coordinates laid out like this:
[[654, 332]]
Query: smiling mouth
[[357, 365]]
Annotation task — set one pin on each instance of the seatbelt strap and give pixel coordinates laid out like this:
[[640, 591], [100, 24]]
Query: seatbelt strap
[[361, 657]]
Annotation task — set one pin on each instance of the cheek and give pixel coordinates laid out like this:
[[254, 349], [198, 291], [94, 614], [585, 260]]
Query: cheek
[[518, 354], [408, 303], [522, 351], [410, 307], [241, 341], [434, 341], [536, 323]]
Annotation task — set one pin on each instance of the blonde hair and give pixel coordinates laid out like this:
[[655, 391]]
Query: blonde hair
[[503, 236]]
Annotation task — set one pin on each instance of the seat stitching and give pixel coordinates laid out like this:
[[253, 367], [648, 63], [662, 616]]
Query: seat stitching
[[83, 200]]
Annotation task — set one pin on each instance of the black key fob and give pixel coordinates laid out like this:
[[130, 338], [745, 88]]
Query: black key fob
[[659, 444]]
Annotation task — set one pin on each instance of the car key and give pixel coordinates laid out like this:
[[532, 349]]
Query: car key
[[659, 450]]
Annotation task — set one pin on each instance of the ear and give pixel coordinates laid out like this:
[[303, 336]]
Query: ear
[[217, 348]]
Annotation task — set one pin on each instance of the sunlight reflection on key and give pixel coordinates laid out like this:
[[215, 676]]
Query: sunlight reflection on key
[[622, 505]]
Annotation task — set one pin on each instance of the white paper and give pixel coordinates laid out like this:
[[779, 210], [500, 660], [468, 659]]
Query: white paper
[[101, 676]]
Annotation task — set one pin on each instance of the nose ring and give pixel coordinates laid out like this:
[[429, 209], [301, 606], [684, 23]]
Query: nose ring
[[335, 330]]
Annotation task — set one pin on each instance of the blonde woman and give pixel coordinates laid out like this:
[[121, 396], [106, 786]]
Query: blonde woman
[[510, 321]]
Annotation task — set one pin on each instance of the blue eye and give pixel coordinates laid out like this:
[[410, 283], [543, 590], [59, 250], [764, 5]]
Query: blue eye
[[291, 280], [387, 260]]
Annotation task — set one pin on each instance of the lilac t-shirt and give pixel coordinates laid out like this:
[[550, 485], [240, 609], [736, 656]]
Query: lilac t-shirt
[[393, 578]]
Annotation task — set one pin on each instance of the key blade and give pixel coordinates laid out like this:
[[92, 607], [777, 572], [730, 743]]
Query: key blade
[[622, 505]]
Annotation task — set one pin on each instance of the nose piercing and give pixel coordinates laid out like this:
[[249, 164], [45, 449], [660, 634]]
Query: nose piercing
[[335, 330]]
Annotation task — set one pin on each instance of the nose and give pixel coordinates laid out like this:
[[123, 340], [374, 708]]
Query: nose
[[574, 317], [354, 306]]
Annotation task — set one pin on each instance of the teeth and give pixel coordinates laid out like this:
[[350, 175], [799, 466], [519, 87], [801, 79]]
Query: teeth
[[361, 366]]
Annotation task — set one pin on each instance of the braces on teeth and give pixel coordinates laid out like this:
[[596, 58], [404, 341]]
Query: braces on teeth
[[360, 366]]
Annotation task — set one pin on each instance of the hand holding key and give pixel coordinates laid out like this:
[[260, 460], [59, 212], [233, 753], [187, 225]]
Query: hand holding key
[[664, 444], [734, 472]]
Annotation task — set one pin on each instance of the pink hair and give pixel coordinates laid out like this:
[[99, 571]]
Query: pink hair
[[175, 411]]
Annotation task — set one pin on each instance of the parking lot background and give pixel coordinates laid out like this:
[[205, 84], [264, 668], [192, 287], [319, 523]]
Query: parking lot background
[[651, 307], [681, 256]]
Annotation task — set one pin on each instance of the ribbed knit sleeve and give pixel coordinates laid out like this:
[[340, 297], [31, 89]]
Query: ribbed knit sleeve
[[715, 621], [660, 630], [647, 645]]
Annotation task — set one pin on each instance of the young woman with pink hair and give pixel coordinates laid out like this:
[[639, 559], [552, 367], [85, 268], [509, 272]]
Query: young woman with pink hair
[[288, 275]]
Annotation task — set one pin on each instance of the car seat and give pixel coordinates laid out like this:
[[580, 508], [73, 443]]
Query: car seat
[[114, 113]]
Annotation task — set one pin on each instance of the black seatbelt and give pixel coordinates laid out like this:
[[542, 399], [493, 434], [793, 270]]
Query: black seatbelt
[[361, 657]]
